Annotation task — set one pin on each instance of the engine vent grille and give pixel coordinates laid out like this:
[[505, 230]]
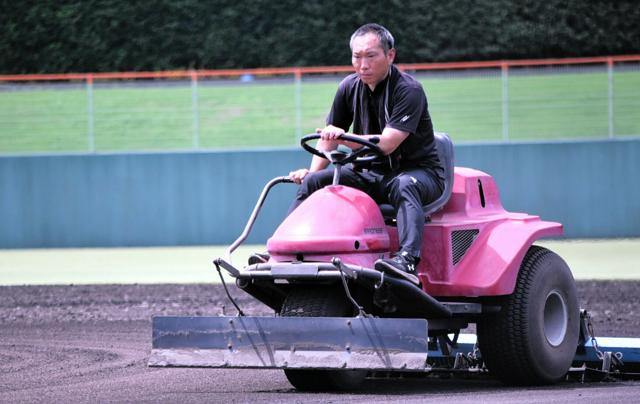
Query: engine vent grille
[[461, 240]]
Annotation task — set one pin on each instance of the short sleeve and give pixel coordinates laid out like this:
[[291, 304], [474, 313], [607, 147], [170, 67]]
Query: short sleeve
[[409, 104], [341, 113]]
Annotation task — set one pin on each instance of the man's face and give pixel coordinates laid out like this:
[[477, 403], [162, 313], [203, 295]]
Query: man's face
[[369, 60]]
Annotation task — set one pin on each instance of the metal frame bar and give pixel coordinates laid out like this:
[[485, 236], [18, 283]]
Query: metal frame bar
[[254, 215]]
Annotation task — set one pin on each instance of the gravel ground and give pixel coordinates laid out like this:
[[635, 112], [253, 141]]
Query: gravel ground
[[91, 343]]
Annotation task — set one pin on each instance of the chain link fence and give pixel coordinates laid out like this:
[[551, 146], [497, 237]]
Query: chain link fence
[[534, 100]]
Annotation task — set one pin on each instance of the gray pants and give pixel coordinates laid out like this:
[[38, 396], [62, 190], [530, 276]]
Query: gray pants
[[406, 190]]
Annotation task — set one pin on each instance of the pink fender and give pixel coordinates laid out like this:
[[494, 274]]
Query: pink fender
[[474, 247]]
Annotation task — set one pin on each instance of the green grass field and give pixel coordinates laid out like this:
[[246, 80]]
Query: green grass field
[[588, 259], [259, 114]]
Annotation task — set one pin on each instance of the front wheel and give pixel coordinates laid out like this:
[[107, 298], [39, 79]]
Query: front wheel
[[533, 339], [320, 301]]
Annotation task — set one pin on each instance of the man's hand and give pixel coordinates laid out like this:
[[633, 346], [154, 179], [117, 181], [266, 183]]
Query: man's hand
[[327, 142], [331, 137], [298, 175], [330, 132]]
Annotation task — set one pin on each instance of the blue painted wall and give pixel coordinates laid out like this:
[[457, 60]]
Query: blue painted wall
[[206, 197]]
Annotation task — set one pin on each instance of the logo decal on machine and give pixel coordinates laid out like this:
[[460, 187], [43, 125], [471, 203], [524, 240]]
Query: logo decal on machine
[[374, 230]]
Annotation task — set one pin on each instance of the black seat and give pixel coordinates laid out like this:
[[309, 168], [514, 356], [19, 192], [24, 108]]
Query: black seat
[[445, 154]]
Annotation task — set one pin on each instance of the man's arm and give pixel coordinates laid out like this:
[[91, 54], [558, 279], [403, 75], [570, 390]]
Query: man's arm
[[317, 163], [390, 139]]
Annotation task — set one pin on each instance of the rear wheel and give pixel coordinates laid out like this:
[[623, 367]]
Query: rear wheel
[[320, 302], [533, 339]]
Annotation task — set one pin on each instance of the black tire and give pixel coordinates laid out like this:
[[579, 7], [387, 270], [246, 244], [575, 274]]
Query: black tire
[[533, 339], [320, 302]]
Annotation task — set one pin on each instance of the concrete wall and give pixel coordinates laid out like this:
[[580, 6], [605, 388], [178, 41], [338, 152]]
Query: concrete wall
[[206, 197]]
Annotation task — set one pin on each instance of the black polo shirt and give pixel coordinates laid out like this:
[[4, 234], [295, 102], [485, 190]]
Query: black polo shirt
[[398, 102]]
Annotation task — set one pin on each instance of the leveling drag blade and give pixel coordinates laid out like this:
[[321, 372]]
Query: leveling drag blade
[[290, 342], [625, 350]]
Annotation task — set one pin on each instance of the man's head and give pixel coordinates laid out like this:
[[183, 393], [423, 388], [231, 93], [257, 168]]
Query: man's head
[[372, 53], [383, 34]]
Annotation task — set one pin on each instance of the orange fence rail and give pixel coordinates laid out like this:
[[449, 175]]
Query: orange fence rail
[[298, 71]]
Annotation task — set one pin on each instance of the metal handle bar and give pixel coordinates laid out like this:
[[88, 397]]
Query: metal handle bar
[[254, 214]]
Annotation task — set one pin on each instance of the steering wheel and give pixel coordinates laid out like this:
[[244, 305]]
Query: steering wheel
[[367, 153]]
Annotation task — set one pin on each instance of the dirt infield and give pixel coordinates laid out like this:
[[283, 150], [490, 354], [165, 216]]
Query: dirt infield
[[614, 305], [90, 343]]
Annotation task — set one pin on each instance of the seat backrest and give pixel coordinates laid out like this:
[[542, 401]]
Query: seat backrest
[[445, 155]]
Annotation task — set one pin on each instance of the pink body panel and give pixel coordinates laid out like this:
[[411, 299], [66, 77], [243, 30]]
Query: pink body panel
[[472, 247], [334, 221], [489, 267]]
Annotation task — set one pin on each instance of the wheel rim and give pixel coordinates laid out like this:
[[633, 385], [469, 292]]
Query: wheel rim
[[555, 318]]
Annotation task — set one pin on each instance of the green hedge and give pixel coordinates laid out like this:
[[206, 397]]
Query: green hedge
[[125, 35]]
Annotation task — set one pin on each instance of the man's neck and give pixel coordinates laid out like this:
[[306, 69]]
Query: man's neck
[[372, 87]]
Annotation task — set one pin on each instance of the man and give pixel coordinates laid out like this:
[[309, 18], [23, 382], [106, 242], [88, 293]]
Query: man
[[380, 101]]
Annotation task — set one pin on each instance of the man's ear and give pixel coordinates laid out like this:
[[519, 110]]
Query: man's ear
[[391, 55]]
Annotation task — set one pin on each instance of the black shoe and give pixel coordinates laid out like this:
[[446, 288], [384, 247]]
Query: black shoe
[[258, 258], [402, 265]]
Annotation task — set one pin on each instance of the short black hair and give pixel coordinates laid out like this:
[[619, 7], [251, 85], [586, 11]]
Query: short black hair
[[383, 34]]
